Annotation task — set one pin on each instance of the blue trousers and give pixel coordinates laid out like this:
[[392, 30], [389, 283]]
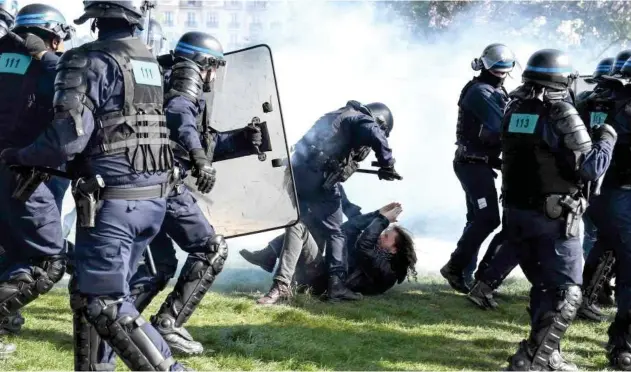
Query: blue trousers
[[107, 255], [550, 261], [483, 216]]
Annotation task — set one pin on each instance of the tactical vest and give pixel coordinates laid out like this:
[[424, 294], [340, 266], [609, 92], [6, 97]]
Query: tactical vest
[[595, 111], [530, 169], [23, 115], [138, 129], [619, 171], [468, 126]]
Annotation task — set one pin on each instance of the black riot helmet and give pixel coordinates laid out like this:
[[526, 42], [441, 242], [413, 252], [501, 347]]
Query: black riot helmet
[[603, 67], [549, 68], [8, 10], [621, 59], [130, 11], [38, 18], [200, 48], [382, 115]]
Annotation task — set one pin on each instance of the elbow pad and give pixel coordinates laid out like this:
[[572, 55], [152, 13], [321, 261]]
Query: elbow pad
[[71, 88], [186, 81], [567, 122]]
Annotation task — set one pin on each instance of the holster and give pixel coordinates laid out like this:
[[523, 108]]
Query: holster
[[340, 175], [85, 194], [28, 180], [175, 179], [565, 206]]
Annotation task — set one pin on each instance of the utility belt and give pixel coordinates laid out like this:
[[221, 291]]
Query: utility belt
[[462, 156], [339, 173], [558, 206]]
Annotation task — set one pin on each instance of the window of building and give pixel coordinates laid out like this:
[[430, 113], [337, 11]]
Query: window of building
[[191, 20], [211, 19], [168, 18]]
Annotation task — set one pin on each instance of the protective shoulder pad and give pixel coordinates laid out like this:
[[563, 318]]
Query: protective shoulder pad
[[567, 122], [185, 80], [71, 87]]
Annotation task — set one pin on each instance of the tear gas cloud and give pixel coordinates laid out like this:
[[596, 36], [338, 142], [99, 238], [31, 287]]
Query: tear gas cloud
[[329, 53]]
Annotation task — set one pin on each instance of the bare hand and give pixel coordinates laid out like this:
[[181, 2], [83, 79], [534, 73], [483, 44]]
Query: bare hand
[[393, 213], [387, 207]]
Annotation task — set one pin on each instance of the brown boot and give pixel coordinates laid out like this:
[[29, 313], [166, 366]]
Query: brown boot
[[278, 293]]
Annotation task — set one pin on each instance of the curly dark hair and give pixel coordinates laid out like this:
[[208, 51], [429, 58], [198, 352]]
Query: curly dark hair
[[405, 258]]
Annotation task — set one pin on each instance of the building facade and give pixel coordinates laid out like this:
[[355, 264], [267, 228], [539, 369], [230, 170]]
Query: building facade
[[236, 24]]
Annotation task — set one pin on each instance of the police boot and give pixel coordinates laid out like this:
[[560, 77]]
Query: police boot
[[178, 338], [337, 291], [482, 295], [265, 258], [278, 293], [591, 312], [12, 324], [619, 346], [455, 278], [6, 350], [523, 360]]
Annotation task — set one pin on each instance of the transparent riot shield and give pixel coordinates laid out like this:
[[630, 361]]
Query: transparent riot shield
[[583, 83], [253, 193]]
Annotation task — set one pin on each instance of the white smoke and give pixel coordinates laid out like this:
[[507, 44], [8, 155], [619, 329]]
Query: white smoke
[[329, 53]]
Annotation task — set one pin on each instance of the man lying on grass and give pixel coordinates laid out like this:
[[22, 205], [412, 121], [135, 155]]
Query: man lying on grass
[[379, 256]]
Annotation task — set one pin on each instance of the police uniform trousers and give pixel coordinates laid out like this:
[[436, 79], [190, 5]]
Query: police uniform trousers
[[483, 216]]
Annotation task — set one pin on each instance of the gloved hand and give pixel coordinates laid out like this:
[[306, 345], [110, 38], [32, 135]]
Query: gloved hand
[[388, 174], [253, 135], [35, 46], [203, 171], [604, 132], [9, 156]]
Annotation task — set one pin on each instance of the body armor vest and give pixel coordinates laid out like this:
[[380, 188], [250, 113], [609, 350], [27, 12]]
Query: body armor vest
[[138, 129], [531, 170], [23, 115], [619, 172]]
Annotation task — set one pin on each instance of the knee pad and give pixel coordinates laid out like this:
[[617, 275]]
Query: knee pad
[[571, 300], [125, 335], [23, 288]]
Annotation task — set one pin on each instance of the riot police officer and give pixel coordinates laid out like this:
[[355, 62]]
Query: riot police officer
[[328, 154], [548, 157], [481, 105], [30, 220], [612, 218], [8, 9], [109, 121], [190, 72]]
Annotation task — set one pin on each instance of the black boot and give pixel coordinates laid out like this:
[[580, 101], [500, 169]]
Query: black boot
[[455, 278], [12, 324], [591, 313], [619, 345], [338, 291], [522, 360], [482, 295], [265, 258]]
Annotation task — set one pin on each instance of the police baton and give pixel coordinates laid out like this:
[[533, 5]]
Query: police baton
[[150, 262]]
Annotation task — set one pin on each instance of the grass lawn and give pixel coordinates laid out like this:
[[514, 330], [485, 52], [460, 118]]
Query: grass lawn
[[417, 326]]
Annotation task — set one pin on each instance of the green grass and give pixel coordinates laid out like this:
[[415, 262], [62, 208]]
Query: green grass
[[417, 326]]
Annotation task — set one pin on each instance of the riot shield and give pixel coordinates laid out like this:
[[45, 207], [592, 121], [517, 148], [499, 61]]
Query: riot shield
[[583, 83], [253, 193]]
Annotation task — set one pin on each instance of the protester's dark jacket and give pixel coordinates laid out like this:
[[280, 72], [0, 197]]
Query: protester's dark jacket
[[371, 269]]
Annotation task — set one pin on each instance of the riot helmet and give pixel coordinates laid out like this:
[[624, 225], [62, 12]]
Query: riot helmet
[[603, 67], [129, 11], [550, 68], [38, 18], [495, 57], [619, 61], [625, 70], [204, 50], [153, 37], [8, 10], [382, 115]]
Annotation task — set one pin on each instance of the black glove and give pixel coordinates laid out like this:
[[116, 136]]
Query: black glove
[[604, 132], [203, 171], [253, 135], [35, 45], [388, 174]]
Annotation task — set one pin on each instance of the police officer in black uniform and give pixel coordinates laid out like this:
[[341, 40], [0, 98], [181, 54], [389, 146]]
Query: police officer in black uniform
[[548, 157], [29, 218], [109, 123], [190, 71]]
